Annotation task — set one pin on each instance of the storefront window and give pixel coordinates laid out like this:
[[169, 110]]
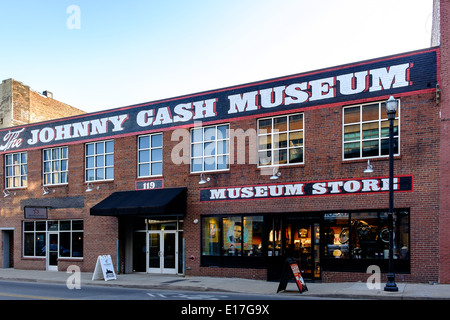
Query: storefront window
[[364, 235], [232, 236], [336, 235], [211, 246], [253, 242], [274, 247], [70, 237]]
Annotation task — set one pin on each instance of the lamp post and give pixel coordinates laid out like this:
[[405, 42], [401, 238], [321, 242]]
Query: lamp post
[[391, 109]]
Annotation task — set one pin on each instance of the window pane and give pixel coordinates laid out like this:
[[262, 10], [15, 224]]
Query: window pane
[[197, 135], [77, 225], [90, 163], [144, 170], [370, 112], [100, 147], [265, 126], [64, 225], [100, 161], [144, 156], [253, 229], [77, 244], [265, 158], [109, 173], [222, 132], [64, 244], [90, 175], [222, 147], [210, 163], [100, 174], [144, 142], [157, 168], [280, 124], [370, 130], [296, 155], [296, 122], [336, 235], [210, 236], [232, 236], [40, 244], [157, 155], [28, 226], [265, 142], [222, 162], [352, 150], [280, 156], [296, 139], [197, 164], [90, 149], [157, 140], [210, 134], [370, 148], [197, 150], [210, 148], [351, 115]]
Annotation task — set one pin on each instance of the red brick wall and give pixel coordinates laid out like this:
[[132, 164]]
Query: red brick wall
[[444, 273]]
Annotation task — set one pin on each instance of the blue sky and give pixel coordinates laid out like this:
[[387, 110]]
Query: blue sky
[[128, 52]]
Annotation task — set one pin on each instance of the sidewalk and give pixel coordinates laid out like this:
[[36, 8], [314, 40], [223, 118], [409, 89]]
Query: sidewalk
[[347, 290]]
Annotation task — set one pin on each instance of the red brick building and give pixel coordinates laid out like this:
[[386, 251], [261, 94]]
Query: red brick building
[[233, 181]]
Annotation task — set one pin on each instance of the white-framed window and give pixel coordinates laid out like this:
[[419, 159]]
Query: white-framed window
[[16, 170], [366, 131], [55, 165], [210, 148], [281, 140], [150, 155], [100, 161]]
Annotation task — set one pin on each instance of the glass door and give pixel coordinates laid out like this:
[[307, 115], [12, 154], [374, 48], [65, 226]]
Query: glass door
[[162, 252], [303, 244], [52, 252]]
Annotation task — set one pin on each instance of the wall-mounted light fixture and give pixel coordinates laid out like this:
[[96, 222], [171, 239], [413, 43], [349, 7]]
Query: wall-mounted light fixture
[[369, 167], [203, 179], [90, 187], [276, 174], [46, 190], [6, 193]]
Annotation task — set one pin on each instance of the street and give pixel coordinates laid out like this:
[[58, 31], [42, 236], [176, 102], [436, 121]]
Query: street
[[10, 290]]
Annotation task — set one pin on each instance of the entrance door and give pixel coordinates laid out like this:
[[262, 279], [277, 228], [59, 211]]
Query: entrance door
[[302, 244], [52, 251], [162, 252]]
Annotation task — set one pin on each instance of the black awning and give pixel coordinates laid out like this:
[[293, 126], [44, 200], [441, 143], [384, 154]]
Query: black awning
[[156, 202]]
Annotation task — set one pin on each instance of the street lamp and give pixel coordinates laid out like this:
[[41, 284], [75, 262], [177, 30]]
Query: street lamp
[[391, 109]]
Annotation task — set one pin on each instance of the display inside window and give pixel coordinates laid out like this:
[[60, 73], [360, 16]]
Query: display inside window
[[365, 235], [211, 245], [235, 235], [274, 244], [232, 236]]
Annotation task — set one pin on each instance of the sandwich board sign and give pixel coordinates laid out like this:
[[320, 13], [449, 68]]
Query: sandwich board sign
[[290, 270], [104, 269]]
